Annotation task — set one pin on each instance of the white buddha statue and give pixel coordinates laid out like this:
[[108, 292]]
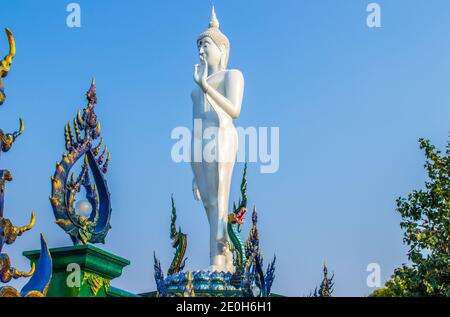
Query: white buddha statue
[[216, 101]]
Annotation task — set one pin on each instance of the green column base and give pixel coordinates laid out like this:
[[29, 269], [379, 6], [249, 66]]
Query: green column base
[[81, 271]]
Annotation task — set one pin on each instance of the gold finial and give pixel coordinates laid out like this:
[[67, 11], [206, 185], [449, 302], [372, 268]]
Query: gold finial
[[189, 288], [7, 60]]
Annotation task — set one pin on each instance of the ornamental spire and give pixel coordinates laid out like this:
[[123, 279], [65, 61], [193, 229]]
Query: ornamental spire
[[214, 22]]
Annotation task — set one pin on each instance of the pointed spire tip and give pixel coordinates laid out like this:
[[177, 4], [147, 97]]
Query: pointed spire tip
[[214, 23]]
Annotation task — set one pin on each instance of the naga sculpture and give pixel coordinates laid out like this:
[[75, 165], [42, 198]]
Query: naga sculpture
[[41, 273], [179, 242], [235, 220], [80, 143]]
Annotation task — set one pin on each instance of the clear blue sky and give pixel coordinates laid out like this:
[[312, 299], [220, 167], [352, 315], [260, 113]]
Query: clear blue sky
[[350, 102]]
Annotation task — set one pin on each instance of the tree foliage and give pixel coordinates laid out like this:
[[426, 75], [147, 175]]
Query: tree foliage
[[426, 223]]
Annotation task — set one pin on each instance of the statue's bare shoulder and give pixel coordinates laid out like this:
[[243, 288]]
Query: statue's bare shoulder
[[234, 86], [234, 75]]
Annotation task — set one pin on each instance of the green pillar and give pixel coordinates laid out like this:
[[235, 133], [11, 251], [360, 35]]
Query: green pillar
[[96, 270]]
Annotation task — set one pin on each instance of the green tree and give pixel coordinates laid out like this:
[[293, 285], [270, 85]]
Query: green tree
[[426, 223]]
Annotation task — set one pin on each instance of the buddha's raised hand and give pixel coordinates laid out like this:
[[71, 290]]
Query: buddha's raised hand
[[200, 76]]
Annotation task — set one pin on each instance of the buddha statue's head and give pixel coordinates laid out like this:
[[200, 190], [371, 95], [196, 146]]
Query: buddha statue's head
[[213, 45]]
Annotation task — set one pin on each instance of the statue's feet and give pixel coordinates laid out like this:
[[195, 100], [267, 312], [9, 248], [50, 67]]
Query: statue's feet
[[216, 268], [225, 264], [222, 262], [221, 268], [230, 263]]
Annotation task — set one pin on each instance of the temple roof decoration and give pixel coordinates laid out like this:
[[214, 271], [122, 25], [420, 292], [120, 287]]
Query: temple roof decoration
[[83, 228], [5, 63], [7, 139], [41, 273]]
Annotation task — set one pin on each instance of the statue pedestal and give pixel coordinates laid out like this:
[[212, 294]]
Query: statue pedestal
[[81, 271], [204, 284]]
